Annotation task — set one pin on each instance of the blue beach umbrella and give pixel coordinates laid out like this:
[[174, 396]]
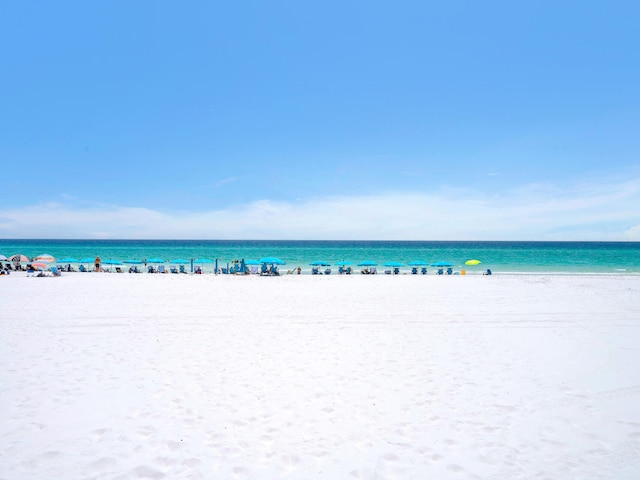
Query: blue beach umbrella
[[418, 263], [251, 262], [87, 260], [180, 261], [133, 262], [368, 263], [442, 264], [155, 260], [344, 263], [319, 263], [202, 260], [394, 264], [271, 260], [69, 260], [112, 262]]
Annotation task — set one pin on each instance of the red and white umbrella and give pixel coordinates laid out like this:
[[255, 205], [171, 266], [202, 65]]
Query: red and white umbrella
[[19, 258], [40, 265], [45, 257]]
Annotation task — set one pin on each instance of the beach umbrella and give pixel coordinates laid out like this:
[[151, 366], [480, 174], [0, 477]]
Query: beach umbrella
[[133, 262], [418, 263], [442, 264], [343, 263], [252, 262], [112, 262], [472, 262], [368, 263], [3, 258], [87, 260], [202, 260], [319, 263], [179, 261], [68, 260], [40, 265], [19, 258], [45, 257], [394, 264], [271, 260], [155, 260]]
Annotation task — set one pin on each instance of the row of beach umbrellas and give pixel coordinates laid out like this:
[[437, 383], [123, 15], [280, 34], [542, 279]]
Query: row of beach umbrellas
[[414, 263], [46, 259]]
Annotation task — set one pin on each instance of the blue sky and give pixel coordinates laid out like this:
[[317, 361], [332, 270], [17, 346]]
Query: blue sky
[[329, 120]]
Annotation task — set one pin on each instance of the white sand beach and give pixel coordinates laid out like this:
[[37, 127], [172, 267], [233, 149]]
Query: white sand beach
[[118, 376]]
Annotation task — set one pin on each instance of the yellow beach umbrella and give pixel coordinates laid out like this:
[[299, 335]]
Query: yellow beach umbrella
[[472, 262]]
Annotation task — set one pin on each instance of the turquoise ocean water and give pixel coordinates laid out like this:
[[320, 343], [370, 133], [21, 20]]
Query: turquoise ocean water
[[500, 257]]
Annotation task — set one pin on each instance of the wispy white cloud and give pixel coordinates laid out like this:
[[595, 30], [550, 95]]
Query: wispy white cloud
[[595, 211]]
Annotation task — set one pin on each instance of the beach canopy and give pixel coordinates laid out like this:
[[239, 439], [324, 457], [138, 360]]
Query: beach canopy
[[155, 260], [394, 264], [179, 260], [112, 262], [417, 263], [472, 262], [202, 260], [319, 263], [271, 260], [442, 264], [68, 260], [367, 263]]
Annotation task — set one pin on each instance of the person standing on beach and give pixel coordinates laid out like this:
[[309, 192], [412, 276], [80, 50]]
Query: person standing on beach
[[97, 264]]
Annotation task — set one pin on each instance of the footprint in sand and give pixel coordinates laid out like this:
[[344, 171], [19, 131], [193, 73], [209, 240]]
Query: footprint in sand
[[290, 461], [240, 472], [104, 463], [144, 471]]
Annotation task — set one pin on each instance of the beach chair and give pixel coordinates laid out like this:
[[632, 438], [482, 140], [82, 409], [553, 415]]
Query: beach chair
[[150, 269], [414, 271], [396, 270], [440, 271], [254, 270], [449, 271], [56, 272], [174, 270], [488, 272], [340, 270], [327, 271], [373, 270], [161, 269], [82, 269], [118, 270], [315, 271], [136, 269], [182, 270], [424, 270], [348, 271]]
